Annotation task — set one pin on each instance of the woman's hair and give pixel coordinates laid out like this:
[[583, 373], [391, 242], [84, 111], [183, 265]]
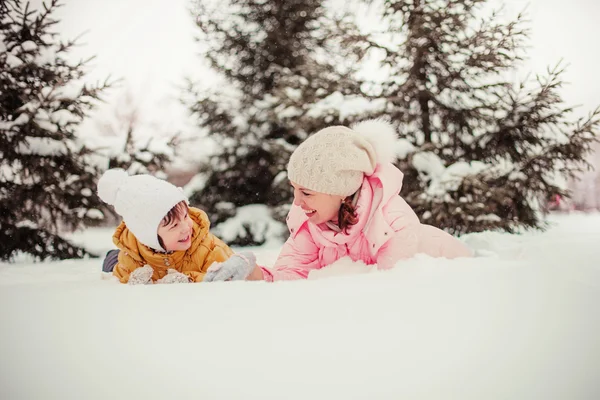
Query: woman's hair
[[347, 214]]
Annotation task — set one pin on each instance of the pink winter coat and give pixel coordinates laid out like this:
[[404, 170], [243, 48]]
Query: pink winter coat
[[388, 230]]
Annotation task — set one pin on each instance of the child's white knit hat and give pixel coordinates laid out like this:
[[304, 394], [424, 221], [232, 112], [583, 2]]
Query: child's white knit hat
[[336, 159], [142, 200]]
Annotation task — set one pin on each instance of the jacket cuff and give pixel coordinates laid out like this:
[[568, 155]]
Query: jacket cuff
[[267, 275]]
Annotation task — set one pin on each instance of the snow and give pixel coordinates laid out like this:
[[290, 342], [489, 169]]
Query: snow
[[447, 179], [520, 322], [488, 217], [46, 125], [13, 61], [404, 148], [47, 55], [144, 156], [70, 91], [42, 146], [28, 46], [451, 177], [253, 219], [428, 163], [26, 224], [22, 119], [347, 106], [94, 214], [64, 117], [290, 112], [280, 177], [196, 184]]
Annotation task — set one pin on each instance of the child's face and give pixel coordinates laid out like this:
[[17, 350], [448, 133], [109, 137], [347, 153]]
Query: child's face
[[177, 235], [319, 207]]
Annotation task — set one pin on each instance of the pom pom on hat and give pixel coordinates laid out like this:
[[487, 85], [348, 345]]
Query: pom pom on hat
[[382, 135], [109, 184], [142, 200]]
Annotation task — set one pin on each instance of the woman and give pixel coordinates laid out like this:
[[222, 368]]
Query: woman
[[347, 203]]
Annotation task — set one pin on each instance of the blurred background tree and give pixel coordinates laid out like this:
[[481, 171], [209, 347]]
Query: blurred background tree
[[483, 152], [47, 176], [479, 150], [287, 69]]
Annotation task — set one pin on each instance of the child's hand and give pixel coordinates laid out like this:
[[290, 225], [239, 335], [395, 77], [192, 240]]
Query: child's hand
[[236, 268], [141, 276], [174, 276]]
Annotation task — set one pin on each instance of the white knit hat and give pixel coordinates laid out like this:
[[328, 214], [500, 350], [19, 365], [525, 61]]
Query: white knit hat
[[335, 159], [142, 200]]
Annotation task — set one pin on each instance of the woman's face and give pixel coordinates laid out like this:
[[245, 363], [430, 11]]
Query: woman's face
[[319, 207]]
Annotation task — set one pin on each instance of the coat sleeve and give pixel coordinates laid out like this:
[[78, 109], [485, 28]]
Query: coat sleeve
[[411, 237], [216, 251], [195, 276], [405, 237], [125, 266], [297, 258]]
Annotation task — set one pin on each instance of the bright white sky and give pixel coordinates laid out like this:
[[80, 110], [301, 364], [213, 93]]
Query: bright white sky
[[150, 44]]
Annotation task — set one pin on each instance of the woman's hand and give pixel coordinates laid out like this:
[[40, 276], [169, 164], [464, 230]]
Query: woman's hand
[[256, 274], [237, 267]]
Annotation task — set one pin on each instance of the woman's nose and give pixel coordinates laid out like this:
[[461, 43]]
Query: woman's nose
[[297, 200]]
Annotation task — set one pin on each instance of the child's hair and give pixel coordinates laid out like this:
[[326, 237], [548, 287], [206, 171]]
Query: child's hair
[[347, 215], [177, 210]]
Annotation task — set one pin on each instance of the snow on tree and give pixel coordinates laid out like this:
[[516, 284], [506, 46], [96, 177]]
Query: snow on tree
[[129, 143], [287, 69], [481, 152], [47, 181]]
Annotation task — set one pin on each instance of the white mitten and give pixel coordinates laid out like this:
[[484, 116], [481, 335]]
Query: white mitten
[[236, 268], [174, 276], [141, 276]]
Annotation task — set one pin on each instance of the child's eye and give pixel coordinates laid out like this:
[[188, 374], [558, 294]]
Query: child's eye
[[306, 194]]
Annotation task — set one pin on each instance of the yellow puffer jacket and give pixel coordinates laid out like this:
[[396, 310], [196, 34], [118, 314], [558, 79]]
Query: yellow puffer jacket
[[205, 249]]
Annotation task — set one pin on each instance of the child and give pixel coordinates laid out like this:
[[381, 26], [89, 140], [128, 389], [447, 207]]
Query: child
[[161, 239]]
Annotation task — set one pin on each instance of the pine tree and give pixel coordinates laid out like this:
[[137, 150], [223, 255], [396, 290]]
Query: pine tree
[[126, 145], [481, 152], [47, 184], [288, 69]]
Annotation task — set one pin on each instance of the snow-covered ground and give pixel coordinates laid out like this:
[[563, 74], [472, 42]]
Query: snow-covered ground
[[521, 321]]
